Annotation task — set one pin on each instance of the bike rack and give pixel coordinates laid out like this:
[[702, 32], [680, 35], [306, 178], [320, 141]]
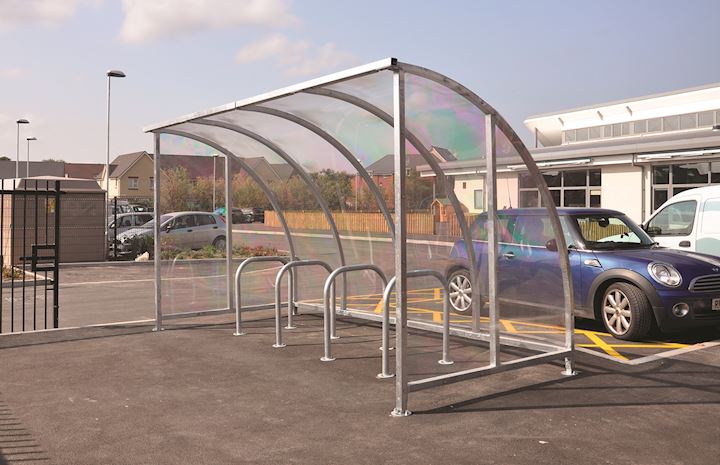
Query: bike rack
[[238, 308], [329, 294], [278, 280], [386, 319]]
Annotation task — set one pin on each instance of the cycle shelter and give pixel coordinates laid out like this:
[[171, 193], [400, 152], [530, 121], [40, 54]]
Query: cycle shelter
[[352, 232]]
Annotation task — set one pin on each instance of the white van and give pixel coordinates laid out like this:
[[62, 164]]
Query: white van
[[689, 220]]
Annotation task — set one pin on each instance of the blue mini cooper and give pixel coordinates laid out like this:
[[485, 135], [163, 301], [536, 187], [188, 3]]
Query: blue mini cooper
[[620, 276]]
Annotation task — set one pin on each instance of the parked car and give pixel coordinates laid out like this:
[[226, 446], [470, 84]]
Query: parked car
[[243, 215], [187, 230], [689, 220], [258, 214], [620, 275], [127, 221]]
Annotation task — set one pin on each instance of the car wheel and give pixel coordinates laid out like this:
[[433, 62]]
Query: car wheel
[[219, 243], [460, 291], [626, 312]]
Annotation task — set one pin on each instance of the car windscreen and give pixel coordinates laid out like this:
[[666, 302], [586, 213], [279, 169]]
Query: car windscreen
[[605, 232]]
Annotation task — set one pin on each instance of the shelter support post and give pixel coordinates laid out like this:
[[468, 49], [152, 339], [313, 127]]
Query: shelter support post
[[401, 330], [156, 242], [228, 230], [492, 258]]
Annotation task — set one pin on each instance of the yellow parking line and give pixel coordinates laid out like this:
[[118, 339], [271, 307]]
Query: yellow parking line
[[509, 326], [604, 345]]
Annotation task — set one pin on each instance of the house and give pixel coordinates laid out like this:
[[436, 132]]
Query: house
[[131, 174]]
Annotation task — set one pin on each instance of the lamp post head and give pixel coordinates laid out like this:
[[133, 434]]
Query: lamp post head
[[23, 121], [31, 138], [115, 73]]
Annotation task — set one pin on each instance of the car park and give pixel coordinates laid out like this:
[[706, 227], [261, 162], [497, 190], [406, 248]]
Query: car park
[[620, 275], [185, 230], [689, 220]]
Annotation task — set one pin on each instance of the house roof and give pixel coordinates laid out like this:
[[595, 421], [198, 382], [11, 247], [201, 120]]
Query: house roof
[[283, 170], [37, 168], [84, 170], [122, 163], [386, 165]]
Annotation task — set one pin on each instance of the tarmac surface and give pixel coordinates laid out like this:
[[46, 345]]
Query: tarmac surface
[[198, 395]]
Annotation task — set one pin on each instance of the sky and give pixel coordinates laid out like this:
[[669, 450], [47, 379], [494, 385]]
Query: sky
[[181, 56]]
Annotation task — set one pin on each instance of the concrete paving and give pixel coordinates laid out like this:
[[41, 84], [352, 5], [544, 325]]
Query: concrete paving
[[198, 395]]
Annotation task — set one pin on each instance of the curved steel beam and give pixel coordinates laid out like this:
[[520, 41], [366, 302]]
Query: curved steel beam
[[270, 195], [424, 152], [299, 169], [339, 147], [512, 136]]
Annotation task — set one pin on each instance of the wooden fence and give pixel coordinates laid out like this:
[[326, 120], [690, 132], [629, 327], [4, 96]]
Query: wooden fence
[[417, 223]]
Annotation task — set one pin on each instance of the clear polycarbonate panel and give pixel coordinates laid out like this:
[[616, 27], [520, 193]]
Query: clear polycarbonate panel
[[530, 285], [366, 136], [443, 119], [375, 88], [193, 233]]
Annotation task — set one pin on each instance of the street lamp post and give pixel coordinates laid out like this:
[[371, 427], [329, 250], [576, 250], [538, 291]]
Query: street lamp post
[[27, 171], [112, 73], [17, 155]]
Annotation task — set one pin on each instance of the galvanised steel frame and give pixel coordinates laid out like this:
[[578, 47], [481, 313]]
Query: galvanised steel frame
[[397, 225]]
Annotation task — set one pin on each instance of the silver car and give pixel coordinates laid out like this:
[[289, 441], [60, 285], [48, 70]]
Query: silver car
[[127, 221], [186, 230]]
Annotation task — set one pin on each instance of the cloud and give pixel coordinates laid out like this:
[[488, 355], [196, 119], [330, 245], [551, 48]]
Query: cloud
[[147, 20], [296, 58], [16, 12], [13, 72]]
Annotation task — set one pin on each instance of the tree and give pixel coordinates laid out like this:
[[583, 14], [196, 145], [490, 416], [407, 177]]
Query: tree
[[335, 188], [176, 190]]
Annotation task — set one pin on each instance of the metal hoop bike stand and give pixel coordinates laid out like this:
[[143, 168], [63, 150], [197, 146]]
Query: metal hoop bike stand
[[445, 360], [278, 280], [238, 297], [329, 295]]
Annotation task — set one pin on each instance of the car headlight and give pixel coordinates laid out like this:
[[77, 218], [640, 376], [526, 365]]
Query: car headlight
[[665, 274]]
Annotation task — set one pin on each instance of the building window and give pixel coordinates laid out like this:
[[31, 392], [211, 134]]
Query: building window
[[669, 180], [570, 188], [479, 200], [152, 183], [133, 183], [684, 122], [464, 185]]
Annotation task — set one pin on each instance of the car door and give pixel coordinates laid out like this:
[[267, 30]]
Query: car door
[[533, 268], [708, 238], [207, 229], [674, 226], [182, 232]]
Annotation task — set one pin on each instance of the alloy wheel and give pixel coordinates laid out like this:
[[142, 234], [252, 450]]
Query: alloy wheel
[[617, 312]]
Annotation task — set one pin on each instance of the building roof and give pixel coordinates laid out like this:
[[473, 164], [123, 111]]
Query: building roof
[[694, 99], [84, 170], [37, 168], [283, 170], [122, 163], [386, 165]]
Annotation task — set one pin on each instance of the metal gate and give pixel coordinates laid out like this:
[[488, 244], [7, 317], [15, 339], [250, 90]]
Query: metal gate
[[29, 253]]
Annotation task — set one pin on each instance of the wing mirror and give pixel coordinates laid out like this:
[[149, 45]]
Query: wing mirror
[[551, 245]]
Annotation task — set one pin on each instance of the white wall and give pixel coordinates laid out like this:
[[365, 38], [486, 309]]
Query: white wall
[[622, 190], [507, 190]]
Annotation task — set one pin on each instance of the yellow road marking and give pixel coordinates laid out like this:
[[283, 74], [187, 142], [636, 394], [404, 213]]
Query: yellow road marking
[[604, 346], [508, 326]]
